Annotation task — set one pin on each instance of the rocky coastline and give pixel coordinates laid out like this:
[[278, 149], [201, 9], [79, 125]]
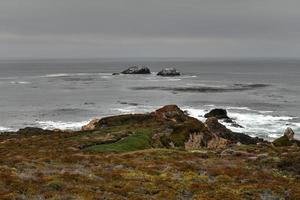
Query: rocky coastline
[[165, 153]]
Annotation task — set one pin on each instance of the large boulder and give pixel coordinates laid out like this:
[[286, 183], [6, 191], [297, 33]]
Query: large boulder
[[137, 70], [220, 113], [168, 72], [289, 133], [217, 113], [287, 139]]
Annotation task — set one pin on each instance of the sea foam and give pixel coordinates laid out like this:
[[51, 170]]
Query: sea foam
[[255, 123], [61, 125]]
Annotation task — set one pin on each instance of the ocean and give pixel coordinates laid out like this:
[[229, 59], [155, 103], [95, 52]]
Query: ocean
[[262, 95]]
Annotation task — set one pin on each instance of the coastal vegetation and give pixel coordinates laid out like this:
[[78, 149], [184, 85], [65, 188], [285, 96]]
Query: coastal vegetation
[[165, 154]]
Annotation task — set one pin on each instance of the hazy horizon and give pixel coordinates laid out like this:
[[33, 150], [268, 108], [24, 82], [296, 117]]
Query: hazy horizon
[[140, 28]]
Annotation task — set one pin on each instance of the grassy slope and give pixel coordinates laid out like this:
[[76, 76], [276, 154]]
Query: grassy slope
[[138, 141]]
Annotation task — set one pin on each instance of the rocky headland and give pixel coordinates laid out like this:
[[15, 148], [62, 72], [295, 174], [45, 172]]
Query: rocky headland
[[165, 154]]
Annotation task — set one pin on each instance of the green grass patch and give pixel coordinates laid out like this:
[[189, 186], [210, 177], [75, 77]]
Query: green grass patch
[[138, 141]]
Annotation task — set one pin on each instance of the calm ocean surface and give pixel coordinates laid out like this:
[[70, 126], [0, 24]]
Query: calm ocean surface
[[262, 95]]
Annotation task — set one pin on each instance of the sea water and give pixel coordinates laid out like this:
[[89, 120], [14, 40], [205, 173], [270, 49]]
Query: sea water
[[262, 95]]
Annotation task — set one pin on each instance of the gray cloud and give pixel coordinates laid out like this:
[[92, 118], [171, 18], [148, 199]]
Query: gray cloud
[[149, 28]]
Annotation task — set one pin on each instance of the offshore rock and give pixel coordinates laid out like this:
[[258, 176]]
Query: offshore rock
[[168, 72], [137, 70], [217, 113]]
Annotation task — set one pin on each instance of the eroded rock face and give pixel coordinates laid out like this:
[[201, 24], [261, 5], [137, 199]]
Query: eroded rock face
[[168, 72], [289, 133], [137, 70], [170, 112], [207, 140], [91, 125]]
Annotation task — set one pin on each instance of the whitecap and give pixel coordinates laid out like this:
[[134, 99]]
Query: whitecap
[[20, 82], [63, 125], [124, 110], [173, 79], [134, 109], [196, 113], [254, 123], [5, 129], [238, 108], [54, 75]]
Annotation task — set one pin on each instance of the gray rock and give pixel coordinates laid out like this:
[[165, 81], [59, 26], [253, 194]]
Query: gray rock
[[218, 113], [289, 133], [137, 70], [168, 72]]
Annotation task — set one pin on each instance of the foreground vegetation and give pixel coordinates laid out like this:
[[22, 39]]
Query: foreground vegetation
[[145, 157]]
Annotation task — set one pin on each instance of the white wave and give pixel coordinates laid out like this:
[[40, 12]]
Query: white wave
[[20, 82], [187, 76], [69, 74], [4, 129], [210, 105], [125, 110], [61, 125], [254, 122], [134, 109], [248, 109], [196, 113], [157, 78], [173, 79], [238, 108], [54, 75]]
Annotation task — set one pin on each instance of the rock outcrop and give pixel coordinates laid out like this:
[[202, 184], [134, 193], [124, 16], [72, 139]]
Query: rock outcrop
[[171, 127], [168, 72], [217, 128], [137, 70], [91, 125], [222, 114], [289, 133], [287, 139], [217, 113], [170, 112]]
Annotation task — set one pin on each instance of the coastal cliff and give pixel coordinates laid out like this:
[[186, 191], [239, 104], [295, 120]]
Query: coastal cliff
[[165, 154]]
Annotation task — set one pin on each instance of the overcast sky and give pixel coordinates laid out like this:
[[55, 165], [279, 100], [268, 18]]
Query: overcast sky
[[149, 28]]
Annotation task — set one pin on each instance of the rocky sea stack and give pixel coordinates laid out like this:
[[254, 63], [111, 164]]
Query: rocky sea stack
[[221, 114], [168, 72], [137, 70]]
